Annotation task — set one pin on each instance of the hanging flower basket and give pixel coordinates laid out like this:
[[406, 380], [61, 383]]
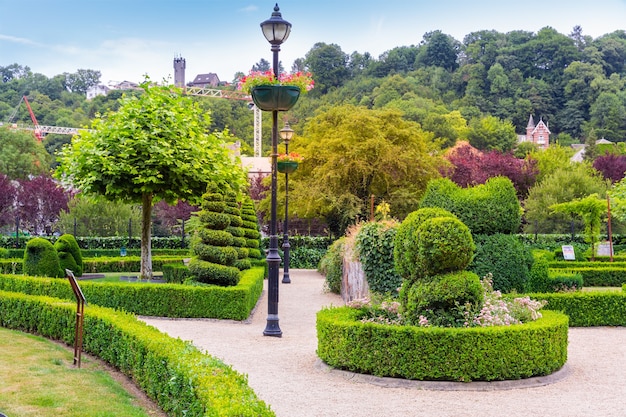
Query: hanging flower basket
[[275, 97], [286, 167]]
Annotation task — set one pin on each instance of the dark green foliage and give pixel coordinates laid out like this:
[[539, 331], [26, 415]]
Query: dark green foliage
[[181, 379], [305, 258], [254, 253], [243, 264], [565, 281], [439, 300], [242, 252], [448, 354], [252, 243], [444, 244], [163, 300], [236, 231], [405, 244], [175, 273], [212, 273], [215, 237], [538, 276], [601, 276], [41, 259], [331, 265], [250, 227], [223, 255], [213, 220], [215, 206], [240, 242], [488, 208], [70, 256], [375, 244], [506, 258]]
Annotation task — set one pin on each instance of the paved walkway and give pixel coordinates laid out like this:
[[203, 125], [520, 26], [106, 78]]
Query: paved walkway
[[286, 373]]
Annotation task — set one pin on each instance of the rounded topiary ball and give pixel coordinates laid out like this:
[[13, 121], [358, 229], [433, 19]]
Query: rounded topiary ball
[[405, 249], [444, 244], [438, 299]]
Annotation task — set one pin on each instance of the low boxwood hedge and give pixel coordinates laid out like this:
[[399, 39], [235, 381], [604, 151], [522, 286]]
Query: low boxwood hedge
[[101, 264], [175, 374], [599, 276], [588, 308], [162, 300], [436, 353]]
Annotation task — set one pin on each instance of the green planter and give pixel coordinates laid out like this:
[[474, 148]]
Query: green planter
[[286, 167], [275, 97]]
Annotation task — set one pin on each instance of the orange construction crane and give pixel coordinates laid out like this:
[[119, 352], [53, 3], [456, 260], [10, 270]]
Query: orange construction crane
[[38, 132]]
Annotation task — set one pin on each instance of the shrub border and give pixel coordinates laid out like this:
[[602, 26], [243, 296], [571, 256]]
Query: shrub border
[[175, 374], [442, 354], [162, 300], [588, 308]]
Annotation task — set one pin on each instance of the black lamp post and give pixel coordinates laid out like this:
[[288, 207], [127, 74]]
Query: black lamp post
[[286, 133], [276, 31]]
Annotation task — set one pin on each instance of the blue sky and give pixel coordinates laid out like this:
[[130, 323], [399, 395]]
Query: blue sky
[[126, 39]]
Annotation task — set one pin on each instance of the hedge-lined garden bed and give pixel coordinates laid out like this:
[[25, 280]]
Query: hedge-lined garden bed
[[163, 300], [446, 354], [176, 375], [588, 308]]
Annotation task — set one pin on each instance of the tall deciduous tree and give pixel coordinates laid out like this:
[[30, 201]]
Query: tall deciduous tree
[[351, 153], [21, 154], [155, 147], [40, 200], [489, 133]]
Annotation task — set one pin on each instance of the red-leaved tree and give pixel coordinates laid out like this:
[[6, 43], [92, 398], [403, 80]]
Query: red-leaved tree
[[472, 167], [39, 202], [611, 166]]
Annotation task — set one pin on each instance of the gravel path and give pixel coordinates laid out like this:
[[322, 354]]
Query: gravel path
[[286, 373]]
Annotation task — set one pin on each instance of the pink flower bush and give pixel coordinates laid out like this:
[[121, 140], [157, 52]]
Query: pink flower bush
[[302, 80]]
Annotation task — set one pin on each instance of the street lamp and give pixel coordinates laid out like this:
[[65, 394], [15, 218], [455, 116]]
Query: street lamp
[[276, 31], [286, 133]]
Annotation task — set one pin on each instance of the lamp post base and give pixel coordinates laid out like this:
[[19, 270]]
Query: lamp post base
[[272, 328]]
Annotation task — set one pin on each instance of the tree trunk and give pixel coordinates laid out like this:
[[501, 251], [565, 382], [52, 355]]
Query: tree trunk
[[146, 223]]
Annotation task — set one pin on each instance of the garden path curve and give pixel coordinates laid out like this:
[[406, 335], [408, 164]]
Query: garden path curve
[[286, 373]]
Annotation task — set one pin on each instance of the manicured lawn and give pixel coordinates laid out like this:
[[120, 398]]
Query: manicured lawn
[[40, 380]]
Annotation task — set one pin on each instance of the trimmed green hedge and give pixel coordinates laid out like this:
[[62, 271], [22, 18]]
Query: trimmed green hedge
[[163, 300], [101, 264], [588, 308], [435, 353], [175, 374], [605, 276]]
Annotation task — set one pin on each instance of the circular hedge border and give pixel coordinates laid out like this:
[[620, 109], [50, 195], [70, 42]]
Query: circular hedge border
[[442, 354]]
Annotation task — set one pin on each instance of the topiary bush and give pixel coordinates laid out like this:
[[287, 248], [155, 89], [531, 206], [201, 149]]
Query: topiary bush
[[444, 299], [492, 207], [375, 247], [331, 265], [444, 244], [41, 259], [70, 256], [405, 244], [212, 273], [506, 258]]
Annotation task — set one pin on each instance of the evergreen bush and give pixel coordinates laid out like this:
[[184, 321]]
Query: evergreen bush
[[70, 256], [41, 259], [444, 244], [492, 207], [506, 258], [331, 265]]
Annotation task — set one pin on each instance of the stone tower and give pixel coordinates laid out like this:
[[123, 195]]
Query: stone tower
[[179, 72]]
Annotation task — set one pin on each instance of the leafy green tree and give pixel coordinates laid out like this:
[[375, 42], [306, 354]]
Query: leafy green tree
[[592, 209], [439, 50], [490, 133], [329, 66], [551, 159], [155, 147], [565, 184], [351, 153], [82, 80], [97, 216], [22, 155]]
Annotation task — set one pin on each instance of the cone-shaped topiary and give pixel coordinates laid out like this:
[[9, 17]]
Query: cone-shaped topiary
[[69, 253], [236, 229], [41, 259]]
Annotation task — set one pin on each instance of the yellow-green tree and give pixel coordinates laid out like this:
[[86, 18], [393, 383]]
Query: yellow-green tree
[[351, 153]]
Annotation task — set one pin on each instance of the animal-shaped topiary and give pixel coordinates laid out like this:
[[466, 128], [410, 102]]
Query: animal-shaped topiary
[[437, 247], [41, 259], [70, 256]]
